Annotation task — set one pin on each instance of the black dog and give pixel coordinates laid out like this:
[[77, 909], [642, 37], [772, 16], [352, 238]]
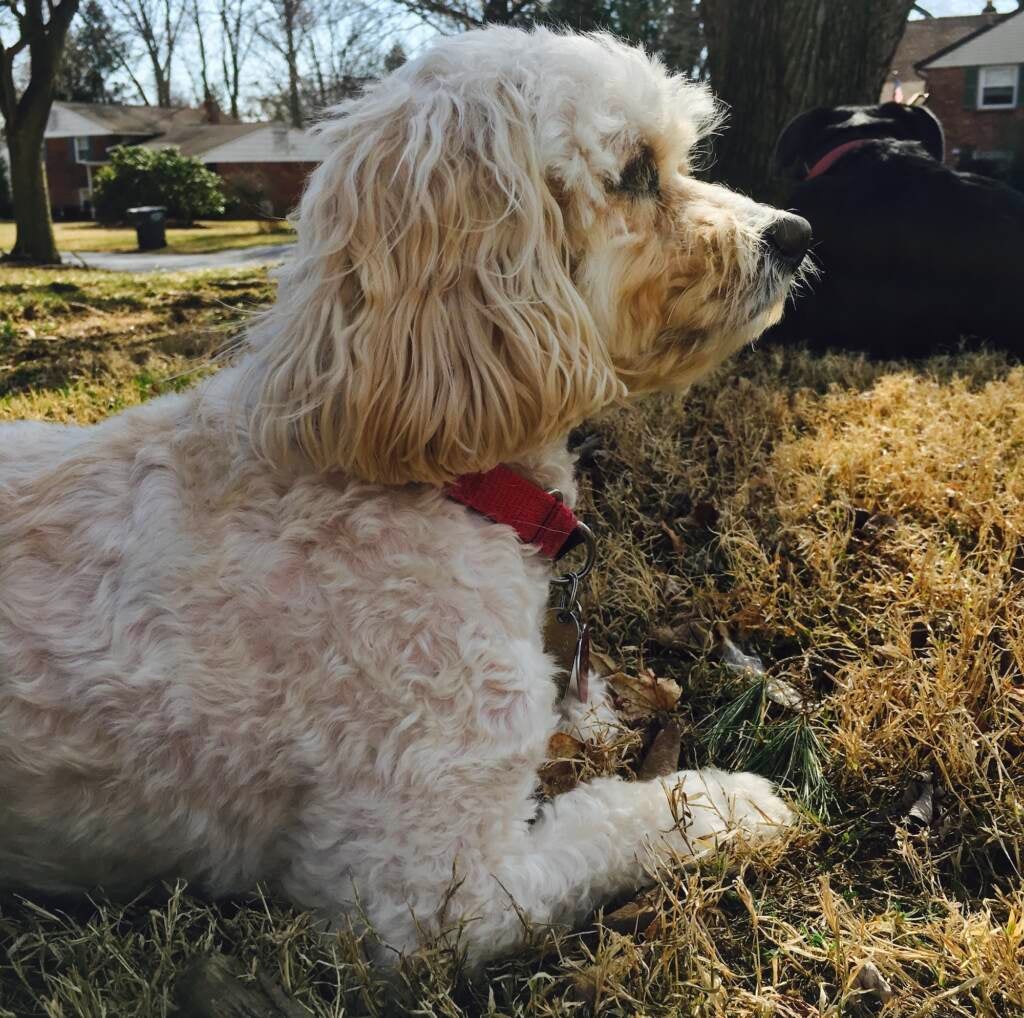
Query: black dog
[[914, 256]]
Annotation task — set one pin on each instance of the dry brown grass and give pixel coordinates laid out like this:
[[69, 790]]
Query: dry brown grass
[[859, 527]]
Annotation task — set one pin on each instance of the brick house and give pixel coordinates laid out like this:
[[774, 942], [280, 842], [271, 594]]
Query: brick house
[[78, 136], [976, 88], [924, 38], [268, 162]]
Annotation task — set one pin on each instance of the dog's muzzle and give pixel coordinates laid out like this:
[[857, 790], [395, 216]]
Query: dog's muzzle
[[788, 239]]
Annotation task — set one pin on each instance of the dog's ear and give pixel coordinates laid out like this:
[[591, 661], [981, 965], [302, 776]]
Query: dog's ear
[[916, 123], [427, 325], [800, 134]]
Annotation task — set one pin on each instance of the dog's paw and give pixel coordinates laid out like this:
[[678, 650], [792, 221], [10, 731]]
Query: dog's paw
[[756, 806], [712, 803]]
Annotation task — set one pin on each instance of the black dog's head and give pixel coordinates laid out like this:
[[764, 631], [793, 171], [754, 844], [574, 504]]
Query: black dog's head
[[812, 135]]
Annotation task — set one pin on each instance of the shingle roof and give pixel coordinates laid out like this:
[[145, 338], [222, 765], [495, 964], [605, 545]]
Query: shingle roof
[[197, 139], [123, 119]]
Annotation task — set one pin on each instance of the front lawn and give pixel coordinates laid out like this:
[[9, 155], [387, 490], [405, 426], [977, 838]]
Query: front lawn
[[856, 527], [206, 236]]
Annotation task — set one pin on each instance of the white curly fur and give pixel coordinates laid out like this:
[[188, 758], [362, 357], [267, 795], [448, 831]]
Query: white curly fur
[[243, 634]]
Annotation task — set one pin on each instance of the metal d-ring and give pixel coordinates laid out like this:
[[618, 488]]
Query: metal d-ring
[[572, 579]]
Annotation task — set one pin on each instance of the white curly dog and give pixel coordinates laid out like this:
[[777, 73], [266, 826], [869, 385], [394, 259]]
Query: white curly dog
[[245, 633]]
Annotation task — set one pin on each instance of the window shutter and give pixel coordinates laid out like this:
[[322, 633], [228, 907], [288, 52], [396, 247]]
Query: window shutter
[[1020, 84], [970, 88]]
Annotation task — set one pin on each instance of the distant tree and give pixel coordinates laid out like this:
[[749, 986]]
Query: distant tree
[[682, 45], [237, 35], [638, 21], [25, 100], [395, 58], [92, 55], [156, 26], [145, 176], [772, 59], [198, 15], [464, 14], [284, 28], [337, 57]]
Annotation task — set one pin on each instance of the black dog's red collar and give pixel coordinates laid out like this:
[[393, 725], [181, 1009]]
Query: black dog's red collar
[[833, 155], [539, 517]]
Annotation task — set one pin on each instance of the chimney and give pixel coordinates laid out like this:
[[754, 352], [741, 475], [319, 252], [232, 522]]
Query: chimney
[[990, 8]]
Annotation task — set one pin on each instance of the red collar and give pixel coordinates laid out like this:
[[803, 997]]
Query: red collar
[[537, 516], [833, 155]]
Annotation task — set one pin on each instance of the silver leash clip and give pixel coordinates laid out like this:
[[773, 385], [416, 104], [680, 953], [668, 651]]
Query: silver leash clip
[[569, 609]]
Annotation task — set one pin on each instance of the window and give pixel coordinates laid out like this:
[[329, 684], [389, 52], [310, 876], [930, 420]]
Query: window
[[81, 150], [997, 87]]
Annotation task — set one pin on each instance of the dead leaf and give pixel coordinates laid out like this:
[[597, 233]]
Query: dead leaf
[[642, 695], [636, 917], [603, 664], [563, 746], [870, 980], [662, 758], [560, 772], [690, 635], [919, 802]]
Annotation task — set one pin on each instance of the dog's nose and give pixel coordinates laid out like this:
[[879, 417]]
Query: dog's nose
[[790, 237]]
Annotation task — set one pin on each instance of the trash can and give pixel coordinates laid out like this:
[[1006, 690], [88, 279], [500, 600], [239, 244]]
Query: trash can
[[150, 222]]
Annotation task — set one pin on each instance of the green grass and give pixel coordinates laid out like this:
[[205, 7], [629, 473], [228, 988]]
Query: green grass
[[859, 527], [208, 236]]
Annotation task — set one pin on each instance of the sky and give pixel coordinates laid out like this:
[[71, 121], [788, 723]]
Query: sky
[[943, 8]]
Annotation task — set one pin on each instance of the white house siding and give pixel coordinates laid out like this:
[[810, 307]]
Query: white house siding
[[1003, 44]]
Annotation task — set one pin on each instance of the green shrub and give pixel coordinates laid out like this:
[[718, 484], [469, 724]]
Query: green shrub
[[145, 176]]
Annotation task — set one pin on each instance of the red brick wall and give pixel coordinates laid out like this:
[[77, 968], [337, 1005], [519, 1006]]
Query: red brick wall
[[282, 183], [986, 130], [63, 175]]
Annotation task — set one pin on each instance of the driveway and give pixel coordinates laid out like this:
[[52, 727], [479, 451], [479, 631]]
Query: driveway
[[155, 261]]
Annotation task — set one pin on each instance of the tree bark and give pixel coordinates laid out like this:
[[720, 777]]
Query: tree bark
[[25, 119], [772, 59], [34, 239]]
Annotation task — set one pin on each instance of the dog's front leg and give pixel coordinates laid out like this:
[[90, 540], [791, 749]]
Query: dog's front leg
[[603, 838], [586, 847]]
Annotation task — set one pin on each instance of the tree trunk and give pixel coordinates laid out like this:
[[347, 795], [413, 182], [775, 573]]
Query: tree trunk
[[34, 240], [772, 59], [25, 119], [292, 59]]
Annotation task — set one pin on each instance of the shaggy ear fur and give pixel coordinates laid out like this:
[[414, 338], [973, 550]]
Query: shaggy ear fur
[[427, 325]]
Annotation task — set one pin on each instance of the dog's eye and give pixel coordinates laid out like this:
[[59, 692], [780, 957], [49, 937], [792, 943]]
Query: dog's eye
[[640, 175]]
